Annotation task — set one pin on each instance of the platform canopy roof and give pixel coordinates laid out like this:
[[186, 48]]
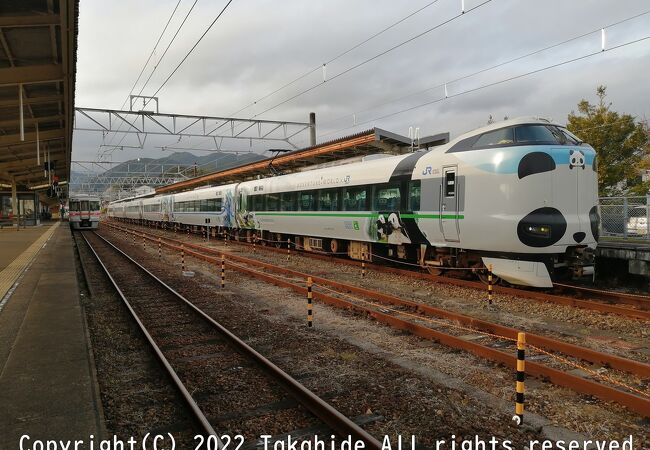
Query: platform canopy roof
[[38, 46], [361, 144]]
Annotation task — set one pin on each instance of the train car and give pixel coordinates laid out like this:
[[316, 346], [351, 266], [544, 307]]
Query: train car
[[83, 212], [152, 209], [133, 209], [208, 207], [519, 196]]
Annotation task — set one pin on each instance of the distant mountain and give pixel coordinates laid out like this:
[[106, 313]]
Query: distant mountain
[[204, 164]]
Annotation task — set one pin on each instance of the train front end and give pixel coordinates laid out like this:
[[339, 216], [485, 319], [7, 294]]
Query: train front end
[[528, 200]]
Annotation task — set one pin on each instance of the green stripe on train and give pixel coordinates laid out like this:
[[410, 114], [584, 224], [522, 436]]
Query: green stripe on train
[[360, 215]]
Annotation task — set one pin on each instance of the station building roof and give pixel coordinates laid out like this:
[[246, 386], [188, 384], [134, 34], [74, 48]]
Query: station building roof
[[38, 46], [365, 143]]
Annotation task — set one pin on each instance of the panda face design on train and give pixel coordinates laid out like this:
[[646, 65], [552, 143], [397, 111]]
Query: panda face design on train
[[576, 159], [546, 226]]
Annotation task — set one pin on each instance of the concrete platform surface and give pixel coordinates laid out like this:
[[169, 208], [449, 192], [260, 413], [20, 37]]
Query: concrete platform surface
[[13, 243], [47, 384], [16, 253]]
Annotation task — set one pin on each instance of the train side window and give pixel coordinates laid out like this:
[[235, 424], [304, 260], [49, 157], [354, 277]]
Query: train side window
[[272, 202], [328, 200], [537, 134], [387, 198], [501, 136], [307, 201], [258, 203], [356, 199], [414, 195], [450, 184], [288, 201]]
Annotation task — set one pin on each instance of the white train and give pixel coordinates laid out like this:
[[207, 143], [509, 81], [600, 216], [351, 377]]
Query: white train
[[83, 212], [520, 195]]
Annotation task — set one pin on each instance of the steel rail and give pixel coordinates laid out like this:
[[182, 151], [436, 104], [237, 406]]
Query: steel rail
[[633, 402], [191, 403], [321, 409], [640, 301], [593, 356]]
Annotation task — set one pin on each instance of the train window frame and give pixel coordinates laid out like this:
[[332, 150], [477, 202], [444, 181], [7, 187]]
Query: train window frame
[[258, 200], [411, 185], [368, 194], [313, 204], [450, 193], [554, 132], [386, 187], [478, 144], [333, 200], [288, 201], [273, 201]]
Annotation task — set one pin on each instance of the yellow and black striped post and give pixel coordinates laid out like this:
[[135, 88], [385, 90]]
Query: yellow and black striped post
[[521, 377], [133, 242], [188, 231], [490, 284], [288, 249], [159, 250], [254, 243], [182, 258], [223, 271], [310, 313], [144, 242], [363, 263]]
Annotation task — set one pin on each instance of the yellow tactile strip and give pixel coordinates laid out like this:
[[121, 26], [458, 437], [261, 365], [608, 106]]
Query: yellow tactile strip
[[10, 274]]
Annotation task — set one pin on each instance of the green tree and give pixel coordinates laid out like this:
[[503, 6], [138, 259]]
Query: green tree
[[622, 145]]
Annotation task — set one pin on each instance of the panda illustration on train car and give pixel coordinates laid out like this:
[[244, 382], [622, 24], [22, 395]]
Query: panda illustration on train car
[[519, 195]]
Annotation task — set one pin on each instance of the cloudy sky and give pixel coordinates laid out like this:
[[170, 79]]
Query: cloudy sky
[[258, 46]]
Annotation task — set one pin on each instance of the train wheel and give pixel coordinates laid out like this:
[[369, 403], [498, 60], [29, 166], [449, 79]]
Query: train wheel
[[483, 276], [335, 246]]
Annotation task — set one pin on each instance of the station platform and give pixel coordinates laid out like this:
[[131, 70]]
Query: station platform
[[47, 385], [635, 252]]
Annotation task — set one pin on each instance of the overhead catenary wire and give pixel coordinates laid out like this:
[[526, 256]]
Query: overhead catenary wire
[[372, 58], [178, 30], [153, 51], [487, 85], [492, 67], [184, 58], [329, 61], [338, 56]]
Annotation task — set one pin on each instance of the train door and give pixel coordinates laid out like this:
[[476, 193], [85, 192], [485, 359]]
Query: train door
[[84, 210], [449, 204]]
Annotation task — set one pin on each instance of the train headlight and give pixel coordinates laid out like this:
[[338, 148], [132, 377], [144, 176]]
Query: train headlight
[[539, 230]]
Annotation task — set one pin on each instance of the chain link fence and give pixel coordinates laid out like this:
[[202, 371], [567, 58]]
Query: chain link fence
[[625, 217]]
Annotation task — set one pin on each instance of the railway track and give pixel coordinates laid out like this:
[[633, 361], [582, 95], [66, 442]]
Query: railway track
[[448, 328], [184, 338], [609, 301]]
